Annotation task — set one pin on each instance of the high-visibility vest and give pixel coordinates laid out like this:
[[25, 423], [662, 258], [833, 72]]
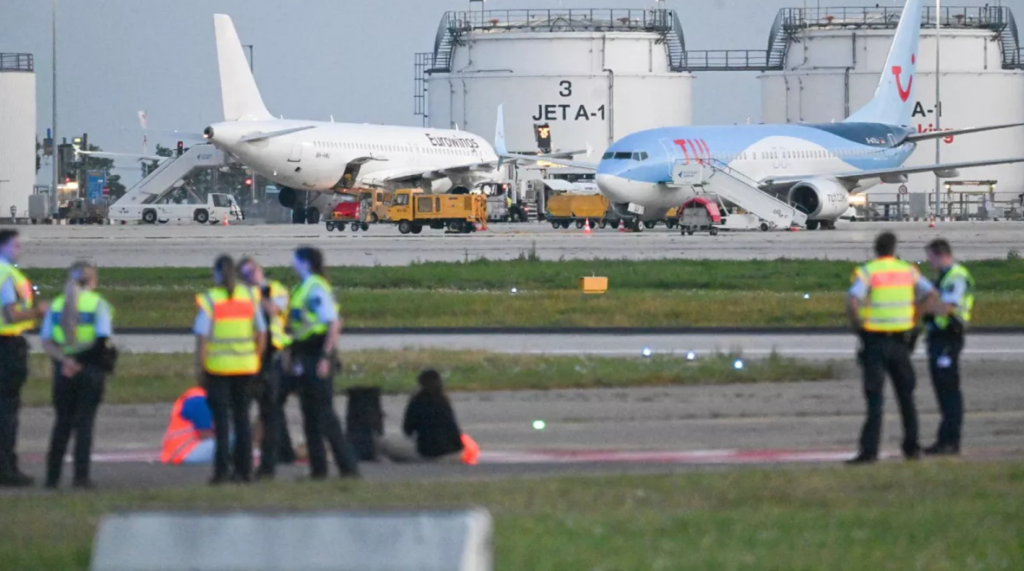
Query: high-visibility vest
[[89, 303], [276, 324], [962, 310], [889, 307], [303, 322], [231, 347], [24, 290], [181, 436]]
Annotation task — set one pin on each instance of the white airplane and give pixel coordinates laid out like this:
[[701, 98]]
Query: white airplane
[[327, 157]]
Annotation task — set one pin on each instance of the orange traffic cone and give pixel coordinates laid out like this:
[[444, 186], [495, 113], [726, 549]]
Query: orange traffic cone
[[931, 223], [622, 225], [794, 228], [586, 227], [224, 222]]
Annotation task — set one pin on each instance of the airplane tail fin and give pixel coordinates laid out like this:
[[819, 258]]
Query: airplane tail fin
[[894, 101], [239, 94]]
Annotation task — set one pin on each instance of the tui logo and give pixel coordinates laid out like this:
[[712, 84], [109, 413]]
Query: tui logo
[[898, 71]]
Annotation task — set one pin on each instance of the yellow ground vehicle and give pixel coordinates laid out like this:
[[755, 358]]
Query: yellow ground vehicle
[[565, 209], [412, 209], [375, 204]]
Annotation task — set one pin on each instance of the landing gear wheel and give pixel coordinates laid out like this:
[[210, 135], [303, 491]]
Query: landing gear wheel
[[416, 228], [312, 215], [764, 226], [330, 226], [201, 216], [637, 226], [714, 231], [405, 227], [812, 224], [556, 224], [298, 216], [650, 224]]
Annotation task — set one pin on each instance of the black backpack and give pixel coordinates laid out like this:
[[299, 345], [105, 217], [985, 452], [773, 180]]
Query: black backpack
[[364, 421]]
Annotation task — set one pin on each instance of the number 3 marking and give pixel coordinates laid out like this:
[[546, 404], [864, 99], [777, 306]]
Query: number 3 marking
[[566, 90]]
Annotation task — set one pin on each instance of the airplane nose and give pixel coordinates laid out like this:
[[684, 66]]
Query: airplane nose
[[613, 187]]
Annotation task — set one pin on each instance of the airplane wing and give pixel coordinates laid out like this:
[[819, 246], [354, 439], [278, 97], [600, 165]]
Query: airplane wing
[[914, 137], [555, 160], [415, 174], [947, 170]]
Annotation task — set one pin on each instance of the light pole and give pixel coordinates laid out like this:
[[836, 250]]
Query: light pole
[[55, 156], [938, 104]]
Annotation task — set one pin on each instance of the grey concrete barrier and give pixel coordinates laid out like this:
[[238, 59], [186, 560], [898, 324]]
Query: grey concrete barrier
[[295, 541]]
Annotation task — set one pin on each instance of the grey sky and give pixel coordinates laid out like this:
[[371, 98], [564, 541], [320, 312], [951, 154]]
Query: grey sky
[[314, 58]]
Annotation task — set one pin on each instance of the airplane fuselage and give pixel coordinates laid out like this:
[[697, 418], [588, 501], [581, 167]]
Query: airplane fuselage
[[330, 155], [638, 168]]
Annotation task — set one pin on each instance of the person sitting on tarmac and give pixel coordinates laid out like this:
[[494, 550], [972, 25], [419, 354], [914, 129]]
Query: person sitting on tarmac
[[430, 431], [189, 436]]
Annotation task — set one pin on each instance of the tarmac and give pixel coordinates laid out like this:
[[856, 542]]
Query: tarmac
[[192, 245]]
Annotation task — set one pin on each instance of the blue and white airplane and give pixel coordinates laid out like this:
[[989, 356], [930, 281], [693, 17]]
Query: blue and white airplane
[[788, 173]]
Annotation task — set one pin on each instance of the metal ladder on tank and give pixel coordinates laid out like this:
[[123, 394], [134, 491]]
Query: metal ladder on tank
[[715, 177], [163, 180]]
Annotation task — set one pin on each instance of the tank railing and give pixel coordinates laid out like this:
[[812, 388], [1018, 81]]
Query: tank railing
[[777, 42], [597, 19], [727, 60], [17, 62], [966, 17]]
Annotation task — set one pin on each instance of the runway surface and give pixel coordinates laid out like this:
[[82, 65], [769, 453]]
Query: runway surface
[[642, 430], [196, 246], [1001, 347]]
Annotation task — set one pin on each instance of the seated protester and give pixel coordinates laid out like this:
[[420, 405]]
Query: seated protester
[[189, 437], [431, 432]]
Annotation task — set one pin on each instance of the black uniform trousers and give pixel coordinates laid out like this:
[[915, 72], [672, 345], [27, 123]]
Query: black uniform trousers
[[229, 398], [319, 419], [75, 401], [944, 364], [888, 353], [13, 374], [285, 388], [270, 398]]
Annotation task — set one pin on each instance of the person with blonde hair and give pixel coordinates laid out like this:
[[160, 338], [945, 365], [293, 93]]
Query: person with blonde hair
[[76, 335]]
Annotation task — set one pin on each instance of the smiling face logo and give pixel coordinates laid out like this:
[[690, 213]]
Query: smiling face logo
[[898, 71]]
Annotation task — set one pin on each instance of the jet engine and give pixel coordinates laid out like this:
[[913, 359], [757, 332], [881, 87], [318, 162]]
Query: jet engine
[[820, 198]]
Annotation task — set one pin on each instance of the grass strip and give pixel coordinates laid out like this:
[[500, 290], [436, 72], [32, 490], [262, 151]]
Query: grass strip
[[940, 516], [154, 378]]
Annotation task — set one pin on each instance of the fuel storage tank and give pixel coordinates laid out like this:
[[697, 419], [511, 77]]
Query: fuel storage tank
[[17, 133], [591, 76], [833, 58]]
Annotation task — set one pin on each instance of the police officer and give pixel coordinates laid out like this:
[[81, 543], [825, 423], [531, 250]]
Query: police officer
[[314, 326], [946, 325], [270, 395], [19, 314], [75, 335], [882, 309], [230, 337]]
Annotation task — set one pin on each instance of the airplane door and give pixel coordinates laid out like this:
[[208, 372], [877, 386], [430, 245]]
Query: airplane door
[[296, 155]]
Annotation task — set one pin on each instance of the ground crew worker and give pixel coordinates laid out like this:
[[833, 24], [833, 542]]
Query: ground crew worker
[[270, 398], [189, 436], [882, 310], [230, 337], [315, 326], [19, 314], [947, 323], [75, 335]]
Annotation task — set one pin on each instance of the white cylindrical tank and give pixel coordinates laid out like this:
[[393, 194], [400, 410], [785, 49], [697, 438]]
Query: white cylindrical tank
[[593, 76], [17, 133], [830, 72]]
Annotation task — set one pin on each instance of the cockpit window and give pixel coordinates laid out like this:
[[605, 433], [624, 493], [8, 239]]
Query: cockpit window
[[641, 156], [607, 156], [623, 156]]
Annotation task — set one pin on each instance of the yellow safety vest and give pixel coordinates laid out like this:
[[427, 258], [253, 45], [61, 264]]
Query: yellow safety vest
[[24, 290], [231, 348], [303, 322], [85, 334], [962, 311], [889, 307], [276, 324]]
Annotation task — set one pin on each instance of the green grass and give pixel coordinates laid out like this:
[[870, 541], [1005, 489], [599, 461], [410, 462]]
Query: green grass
[[673, 293], [936, 516], [149, 378]]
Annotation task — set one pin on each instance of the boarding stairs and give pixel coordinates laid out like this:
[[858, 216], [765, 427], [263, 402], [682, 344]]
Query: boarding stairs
[[716, 178], [165, 178]]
